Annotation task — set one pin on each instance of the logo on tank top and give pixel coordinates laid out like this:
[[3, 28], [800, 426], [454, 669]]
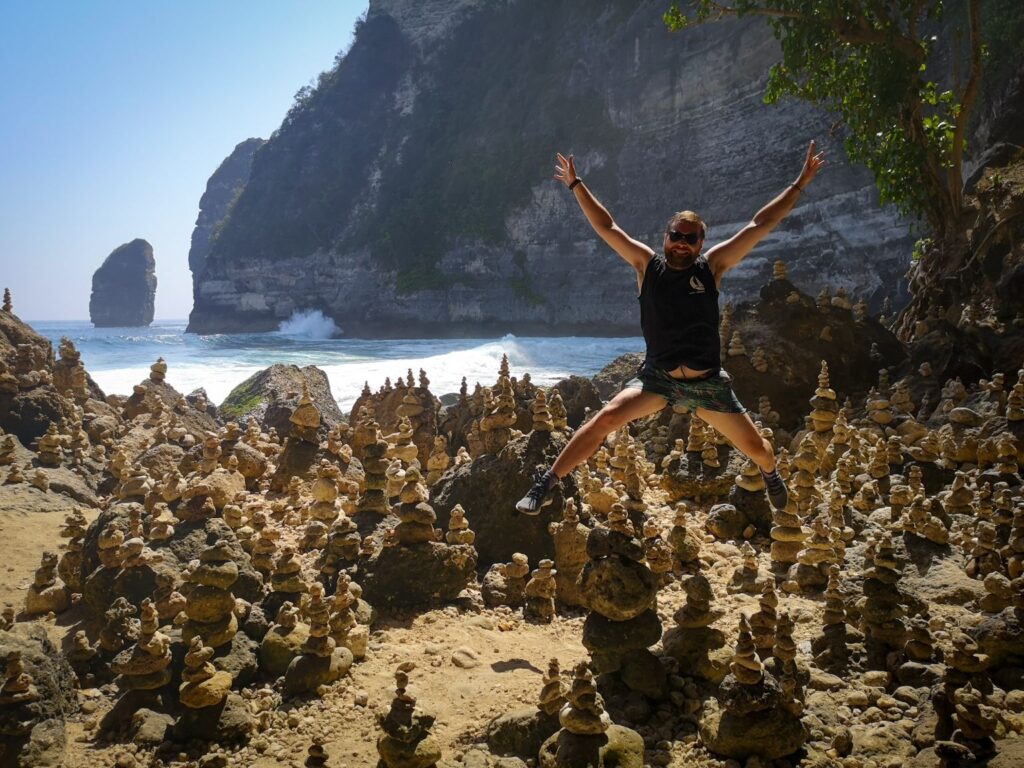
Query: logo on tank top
[[696, 284]]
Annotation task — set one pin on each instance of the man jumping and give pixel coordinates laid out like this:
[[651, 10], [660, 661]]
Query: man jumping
[[678, 293]]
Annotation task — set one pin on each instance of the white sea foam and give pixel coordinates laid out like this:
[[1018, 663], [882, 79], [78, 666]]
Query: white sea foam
[[118, 361], [309, 324]]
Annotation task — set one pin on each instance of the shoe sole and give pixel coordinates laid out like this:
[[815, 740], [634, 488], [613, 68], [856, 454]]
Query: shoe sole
[[533, 512]]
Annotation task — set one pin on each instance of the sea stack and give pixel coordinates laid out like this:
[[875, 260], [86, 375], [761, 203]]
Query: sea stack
[[124, 287]]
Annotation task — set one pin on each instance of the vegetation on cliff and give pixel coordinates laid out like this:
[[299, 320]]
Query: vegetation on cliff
[[903, 80]]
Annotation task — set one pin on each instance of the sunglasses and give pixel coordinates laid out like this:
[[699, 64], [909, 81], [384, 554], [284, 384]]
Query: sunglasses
[[691, 239]]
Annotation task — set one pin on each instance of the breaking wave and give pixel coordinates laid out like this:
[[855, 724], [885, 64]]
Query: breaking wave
[[309, 324]]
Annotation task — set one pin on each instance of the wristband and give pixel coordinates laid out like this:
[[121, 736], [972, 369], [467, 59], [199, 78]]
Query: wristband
[[797, 186], [578, 181]]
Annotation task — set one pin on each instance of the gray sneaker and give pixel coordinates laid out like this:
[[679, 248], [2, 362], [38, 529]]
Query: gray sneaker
[[539, 495]]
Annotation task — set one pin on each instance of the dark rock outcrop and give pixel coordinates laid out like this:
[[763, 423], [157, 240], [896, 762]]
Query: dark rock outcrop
[[272, 395], [124, 287], [33, 731], [489, 487], [442, 571]]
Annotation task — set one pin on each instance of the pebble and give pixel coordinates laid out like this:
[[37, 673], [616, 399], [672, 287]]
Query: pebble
[[857, 698], [873, 715], [465, 657], [361, 698], [484, 622], [876, 678], [886, 702]]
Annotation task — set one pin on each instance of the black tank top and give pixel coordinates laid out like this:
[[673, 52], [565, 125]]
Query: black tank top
[[679, 315]]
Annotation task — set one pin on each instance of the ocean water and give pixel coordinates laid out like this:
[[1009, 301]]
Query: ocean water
[[119, 358]]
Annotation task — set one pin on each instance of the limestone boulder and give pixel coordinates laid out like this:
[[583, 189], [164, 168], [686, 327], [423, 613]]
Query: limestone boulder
[[280, 645], [419, 575], [617, 588], [161, 459], [624, 748], [190, 538], [251, 462], [226, 723], [726, 523], [767, 734], [941, 580], [29, 413], [271, 396], [520, 733], [1001, 637], [881, 740], [306, 672]]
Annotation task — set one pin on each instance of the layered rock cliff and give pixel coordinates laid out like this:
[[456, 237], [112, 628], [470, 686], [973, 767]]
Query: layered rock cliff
[[222, 191], [124, 287], [410, 193]]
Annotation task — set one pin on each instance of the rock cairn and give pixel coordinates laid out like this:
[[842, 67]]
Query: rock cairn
[[620, 592], [47, 593], [416, 516], [373, 499], [750, 716], [203, 686], [17, 695], [584, 722], [210, 604], [569, 537], [505, 583], [553, 694], [540, 593], [880, 609], [147, 665], [693, 642], [407, 741], [763, 622], [321, 661]]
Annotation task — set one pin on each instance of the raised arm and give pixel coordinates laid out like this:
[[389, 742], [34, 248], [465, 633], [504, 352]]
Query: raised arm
[[633, 251], [729, 253]]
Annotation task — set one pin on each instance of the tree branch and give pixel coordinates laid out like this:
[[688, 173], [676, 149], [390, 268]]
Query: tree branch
[[854, 34], [967, 100]]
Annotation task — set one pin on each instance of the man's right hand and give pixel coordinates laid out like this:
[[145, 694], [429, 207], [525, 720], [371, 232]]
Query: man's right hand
[[565, 171]]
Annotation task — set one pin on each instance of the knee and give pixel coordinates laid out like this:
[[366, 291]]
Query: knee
[[607, 420]]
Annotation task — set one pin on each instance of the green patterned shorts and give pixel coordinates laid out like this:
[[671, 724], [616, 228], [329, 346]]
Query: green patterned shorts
[[712, 390]]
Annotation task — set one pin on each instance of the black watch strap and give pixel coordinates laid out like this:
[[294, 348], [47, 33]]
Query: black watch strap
[[578, 181]]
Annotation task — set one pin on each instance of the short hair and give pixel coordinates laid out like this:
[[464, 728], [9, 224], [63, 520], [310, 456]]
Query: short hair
[[691, 217]]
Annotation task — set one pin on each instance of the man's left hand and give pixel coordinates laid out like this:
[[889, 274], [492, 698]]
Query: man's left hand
[[812, 164]]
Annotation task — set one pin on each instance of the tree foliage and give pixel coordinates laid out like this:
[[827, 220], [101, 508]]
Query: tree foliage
[[901, 82]]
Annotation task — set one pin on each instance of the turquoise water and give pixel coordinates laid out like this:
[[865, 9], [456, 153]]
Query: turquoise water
[[118, 358]]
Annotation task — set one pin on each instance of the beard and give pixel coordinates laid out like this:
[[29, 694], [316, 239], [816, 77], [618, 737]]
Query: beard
[[680, 259]]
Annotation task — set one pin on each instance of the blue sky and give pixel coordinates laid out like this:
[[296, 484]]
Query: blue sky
[[115, 114]]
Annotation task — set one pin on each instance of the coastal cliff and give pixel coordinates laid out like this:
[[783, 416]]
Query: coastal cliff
[[410, 192], [222, 191], [124, 287]]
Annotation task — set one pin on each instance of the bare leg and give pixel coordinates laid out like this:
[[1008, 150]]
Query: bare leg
[[629, 405], [742, 433]]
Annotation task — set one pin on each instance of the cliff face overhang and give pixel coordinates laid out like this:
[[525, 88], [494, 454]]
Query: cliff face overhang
[[413, 188]]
